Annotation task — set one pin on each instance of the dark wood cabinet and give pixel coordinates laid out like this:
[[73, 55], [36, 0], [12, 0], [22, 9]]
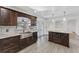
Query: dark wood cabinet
[[15, 44], [32, 18], [13, 18], [33, 21], [59, 38], [35, 37], [10, 45], [19, 14], [8, 17], [5, 16], [0, 17], [25, 42]]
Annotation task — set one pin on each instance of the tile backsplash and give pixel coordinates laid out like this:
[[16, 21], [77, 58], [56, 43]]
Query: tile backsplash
[[5, 29], [9, 28]]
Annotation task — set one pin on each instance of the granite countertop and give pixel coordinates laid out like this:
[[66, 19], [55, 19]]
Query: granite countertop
[[6, 35], [59, 31], [23, 35]]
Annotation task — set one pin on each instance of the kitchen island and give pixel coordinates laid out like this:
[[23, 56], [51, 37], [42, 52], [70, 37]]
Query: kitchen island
[[61, 38]]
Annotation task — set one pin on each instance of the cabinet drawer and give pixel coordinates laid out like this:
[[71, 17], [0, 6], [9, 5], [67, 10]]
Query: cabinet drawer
[[10, 40], [9, 45], [11, 49]]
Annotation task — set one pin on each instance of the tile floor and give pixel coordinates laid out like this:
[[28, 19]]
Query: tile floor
[[44, 46]]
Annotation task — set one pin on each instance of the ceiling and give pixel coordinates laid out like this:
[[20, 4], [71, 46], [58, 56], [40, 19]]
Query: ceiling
[[42, 8], [56, 11]]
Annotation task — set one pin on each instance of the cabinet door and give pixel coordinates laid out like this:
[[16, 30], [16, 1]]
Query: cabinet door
[[33, 21], [23, 43], [5, 16], [13, 18], [35, 36], [8, 17], [0, 18], [50, 36]]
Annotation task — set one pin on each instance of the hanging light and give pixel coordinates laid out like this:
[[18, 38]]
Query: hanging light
[[64, 18]]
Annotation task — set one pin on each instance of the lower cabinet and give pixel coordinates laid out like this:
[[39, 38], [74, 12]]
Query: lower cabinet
[[15, 44], [9, 45], [27, 42], [35, 37]]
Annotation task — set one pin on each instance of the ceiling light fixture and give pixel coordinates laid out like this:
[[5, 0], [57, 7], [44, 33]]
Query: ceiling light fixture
[[64, 18]]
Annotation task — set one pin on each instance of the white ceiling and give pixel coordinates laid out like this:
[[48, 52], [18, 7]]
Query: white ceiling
[[42, 8], [58, 11]]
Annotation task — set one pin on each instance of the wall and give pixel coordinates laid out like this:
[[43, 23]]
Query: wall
[[71, 25], [77, 27], [40, 26], [11, 29], [50, 24]]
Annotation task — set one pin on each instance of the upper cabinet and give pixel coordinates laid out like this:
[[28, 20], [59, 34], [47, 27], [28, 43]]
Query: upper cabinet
[[13, 18], [5, 16], [8, 17], [31, 18], [33, 21]]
